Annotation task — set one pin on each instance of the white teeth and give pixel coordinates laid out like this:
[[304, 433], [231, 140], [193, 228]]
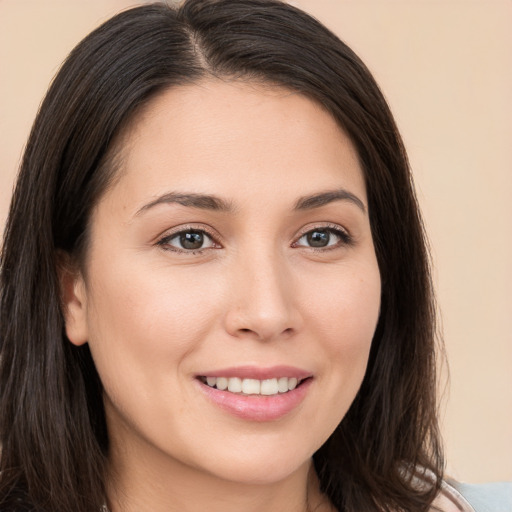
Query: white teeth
[[265, 387], [222, 383], [282, 385], [234, 385], [251, 387], [269, 387], [292, 383]]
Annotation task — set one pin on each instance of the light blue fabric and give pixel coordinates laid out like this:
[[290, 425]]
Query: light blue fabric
[[493, 497]]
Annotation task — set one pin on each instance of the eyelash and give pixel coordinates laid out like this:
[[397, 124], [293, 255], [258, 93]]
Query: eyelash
[[345, 239], [164, 242]]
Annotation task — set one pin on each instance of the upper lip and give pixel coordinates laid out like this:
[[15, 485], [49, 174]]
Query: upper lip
[[259, 373]]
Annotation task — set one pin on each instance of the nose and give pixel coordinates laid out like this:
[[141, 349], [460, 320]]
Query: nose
[[263, 303]]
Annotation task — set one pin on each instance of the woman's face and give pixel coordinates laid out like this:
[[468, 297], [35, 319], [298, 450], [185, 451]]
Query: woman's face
[[234, 249]]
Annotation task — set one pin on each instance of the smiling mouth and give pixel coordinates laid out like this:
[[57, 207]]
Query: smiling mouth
[[266, 387]]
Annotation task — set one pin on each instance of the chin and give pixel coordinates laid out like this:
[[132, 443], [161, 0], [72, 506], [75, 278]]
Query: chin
[[262, 472], [259, 462]]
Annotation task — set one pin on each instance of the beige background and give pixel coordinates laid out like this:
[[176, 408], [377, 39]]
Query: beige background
[[446, 69]]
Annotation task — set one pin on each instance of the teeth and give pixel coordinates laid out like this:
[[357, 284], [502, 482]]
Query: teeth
[[251, 387], [292, 383], [269, 387], [265, 387], [222, 383], [282, 385], [235, 385]]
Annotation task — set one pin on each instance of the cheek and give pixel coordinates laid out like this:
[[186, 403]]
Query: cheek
[[344, 315], [160, 304], [346, 308], [146, 319], [341, 317]]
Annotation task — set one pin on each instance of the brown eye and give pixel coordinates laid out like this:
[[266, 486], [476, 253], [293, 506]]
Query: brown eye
[[189, 240], [320, 238], [192, 240]]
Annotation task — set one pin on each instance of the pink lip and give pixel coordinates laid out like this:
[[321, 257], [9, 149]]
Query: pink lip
[[256, 407], [254, 372]]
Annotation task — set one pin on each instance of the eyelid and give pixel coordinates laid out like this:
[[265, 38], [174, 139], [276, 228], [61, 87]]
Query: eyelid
[[340, 231], [184, 228]]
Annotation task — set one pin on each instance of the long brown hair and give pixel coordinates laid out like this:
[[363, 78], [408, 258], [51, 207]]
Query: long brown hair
[[52, 423]]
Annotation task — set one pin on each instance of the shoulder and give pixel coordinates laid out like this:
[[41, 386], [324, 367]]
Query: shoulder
[[459, 497]]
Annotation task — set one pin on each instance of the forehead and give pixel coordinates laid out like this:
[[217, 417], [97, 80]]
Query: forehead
[[228, 137]]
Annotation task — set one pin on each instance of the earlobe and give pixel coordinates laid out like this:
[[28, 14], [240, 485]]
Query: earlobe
[[73, 302]]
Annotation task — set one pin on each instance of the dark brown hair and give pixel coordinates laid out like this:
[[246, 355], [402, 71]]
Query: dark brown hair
[[52, 424]]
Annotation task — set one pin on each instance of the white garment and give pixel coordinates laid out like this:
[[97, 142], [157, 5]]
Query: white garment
[[458, 497]]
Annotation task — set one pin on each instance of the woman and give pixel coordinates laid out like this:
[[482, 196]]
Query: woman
[[215, 287]]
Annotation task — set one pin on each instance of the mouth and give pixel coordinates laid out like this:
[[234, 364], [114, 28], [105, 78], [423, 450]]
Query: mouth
[[254, 393], [248, 386]]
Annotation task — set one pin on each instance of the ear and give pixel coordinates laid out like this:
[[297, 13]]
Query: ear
[[73, 297]]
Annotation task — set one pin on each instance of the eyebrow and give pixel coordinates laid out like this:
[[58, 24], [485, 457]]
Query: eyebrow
[[201, 201], [210, 202], [323, 198]]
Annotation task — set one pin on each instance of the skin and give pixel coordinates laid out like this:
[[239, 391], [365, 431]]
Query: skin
[[157, 315]]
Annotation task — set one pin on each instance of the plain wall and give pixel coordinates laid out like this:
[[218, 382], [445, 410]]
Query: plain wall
[[446, 69]]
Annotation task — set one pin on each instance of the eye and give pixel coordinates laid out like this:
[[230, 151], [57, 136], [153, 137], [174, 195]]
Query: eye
[[188, 240], [320, 238]]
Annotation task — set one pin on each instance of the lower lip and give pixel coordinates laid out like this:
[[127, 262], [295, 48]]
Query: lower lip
[[257, 407]]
